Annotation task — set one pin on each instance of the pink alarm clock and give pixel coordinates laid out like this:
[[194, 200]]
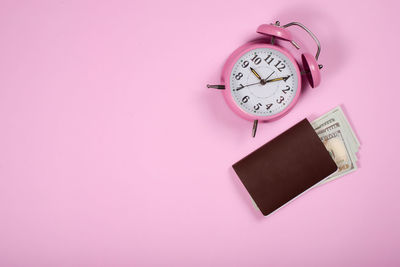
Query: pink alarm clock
[[262, 81]]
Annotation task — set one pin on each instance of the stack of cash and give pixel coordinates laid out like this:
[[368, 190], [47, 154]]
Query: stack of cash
[[335, 132]]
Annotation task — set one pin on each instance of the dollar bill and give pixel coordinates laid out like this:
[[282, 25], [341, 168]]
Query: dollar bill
[[337, 115], [336, 134]]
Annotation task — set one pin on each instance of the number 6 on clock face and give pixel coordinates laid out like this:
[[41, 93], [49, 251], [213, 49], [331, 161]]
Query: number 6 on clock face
[[262, 81]]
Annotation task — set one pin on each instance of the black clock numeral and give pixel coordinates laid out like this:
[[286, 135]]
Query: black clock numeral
[[269, 59], [240, 87], [245, 64], [287, 89], [269, 106], [281, 98], [245, 99], [281, 67], [256, 59], [257, 107], [238, 76]]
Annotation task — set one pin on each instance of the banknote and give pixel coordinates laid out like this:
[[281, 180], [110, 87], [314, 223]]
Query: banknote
[[337, 147], [337, 135], [337, 115]]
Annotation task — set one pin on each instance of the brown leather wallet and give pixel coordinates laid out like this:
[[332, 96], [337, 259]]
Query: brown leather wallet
[[285, 167]]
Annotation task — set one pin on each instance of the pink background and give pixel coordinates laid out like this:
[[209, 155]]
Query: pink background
[[114, 153]]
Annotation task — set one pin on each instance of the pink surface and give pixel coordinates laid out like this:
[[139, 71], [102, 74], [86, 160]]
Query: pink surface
[[114, 153]]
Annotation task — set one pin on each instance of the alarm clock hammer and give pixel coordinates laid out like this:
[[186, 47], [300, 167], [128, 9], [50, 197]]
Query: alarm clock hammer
[[255, 60]]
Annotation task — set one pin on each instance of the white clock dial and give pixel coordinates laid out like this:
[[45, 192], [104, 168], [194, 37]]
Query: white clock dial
[[263, 82]]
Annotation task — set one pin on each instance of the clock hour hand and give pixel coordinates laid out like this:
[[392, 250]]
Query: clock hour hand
[[255, 73], [278, 79]]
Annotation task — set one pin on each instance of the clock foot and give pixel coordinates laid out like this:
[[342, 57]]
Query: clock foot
[[216, 86], [255, 128]]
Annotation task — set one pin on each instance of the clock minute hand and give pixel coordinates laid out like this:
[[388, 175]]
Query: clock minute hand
[[278, 79], [264, 81]]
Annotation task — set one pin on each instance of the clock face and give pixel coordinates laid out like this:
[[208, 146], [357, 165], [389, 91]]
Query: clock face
[[263, 82]]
